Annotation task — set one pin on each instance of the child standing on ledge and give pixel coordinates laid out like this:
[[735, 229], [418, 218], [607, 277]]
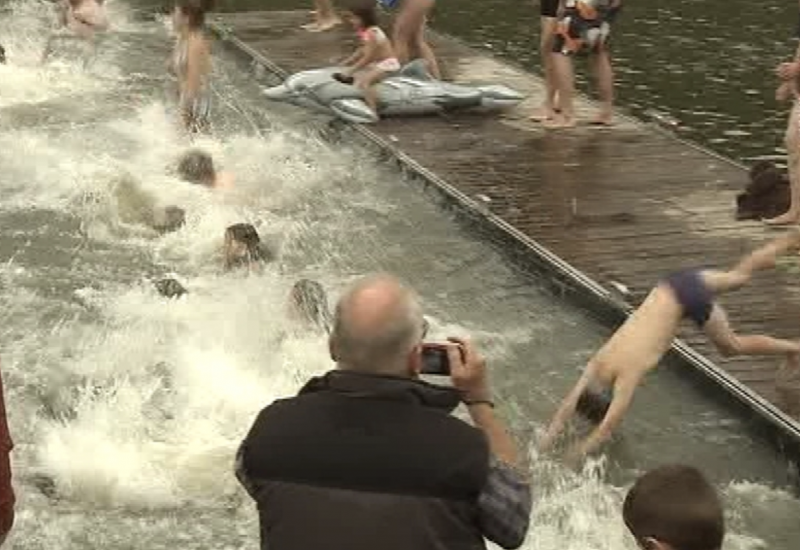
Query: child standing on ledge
[[192, 64], [375, 54]]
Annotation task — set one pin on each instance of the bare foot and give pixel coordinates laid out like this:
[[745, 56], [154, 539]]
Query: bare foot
[[603, 119], [559, 122], [311, 26], [789, 218], [326, 25], [543, 113]]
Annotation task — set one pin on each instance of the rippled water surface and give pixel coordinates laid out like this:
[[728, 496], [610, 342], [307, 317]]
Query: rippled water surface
[[126, 409], [707, 64]]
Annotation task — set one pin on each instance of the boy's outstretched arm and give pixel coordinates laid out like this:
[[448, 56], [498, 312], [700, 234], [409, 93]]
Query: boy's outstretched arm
[[565, 411]]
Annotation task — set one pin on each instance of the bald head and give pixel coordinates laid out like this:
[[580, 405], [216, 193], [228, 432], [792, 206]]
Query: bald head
[[378, 322]]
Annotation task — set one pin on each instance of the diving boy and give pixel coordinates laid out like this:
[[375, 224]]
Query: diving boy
[[605, 390]]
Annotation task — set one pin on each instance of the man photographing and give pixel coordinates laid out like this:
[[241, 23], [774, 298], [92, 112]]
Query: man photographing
[[368, 455]]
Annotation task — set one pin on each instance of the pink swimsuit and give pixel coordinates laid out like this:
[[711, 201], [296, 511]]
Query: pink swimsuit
[[388, 65]]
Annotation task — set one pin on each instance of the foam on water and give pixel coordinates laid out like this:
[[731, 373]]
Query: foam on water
[[133, 405]]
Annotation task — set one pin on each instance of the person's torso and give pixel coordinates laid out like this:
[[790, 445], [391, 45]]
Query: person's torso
[[371, 474], [644, 337], [181, 59], [382, 43]]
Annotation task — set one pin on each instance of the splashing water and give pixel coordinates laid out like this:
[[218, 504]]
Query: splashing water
[[126, 408]]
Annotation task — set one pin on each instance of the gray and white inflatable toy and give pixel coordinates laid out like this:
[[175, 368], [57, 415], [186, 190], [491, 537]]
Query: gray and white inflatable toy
[[412, 91]]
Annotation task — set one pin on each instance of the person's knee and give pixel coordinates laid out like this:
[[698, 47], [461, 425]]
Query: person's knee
[[730, 347]]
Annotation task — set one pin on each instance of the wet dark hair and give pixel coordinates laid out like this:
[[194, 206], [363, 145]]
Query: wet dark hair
[[312, 301], [366, 12], [675, 505], [593, 406], [194, 10], [197, 166], [246, 234], [2, 54], [171, 219], [170, 288]]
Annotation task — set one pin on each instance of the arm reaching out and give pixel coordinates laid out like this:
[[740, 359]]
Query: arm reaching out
[[565, 410], [353, 58]]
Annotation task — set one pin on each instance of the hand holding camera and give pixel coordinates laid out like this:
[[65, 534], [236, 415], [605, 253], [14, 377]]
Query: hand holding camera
[[458, 359]]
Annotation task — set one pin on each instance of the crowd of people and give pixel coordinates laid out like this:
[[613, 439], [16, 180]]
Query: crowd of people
[[370, 452]]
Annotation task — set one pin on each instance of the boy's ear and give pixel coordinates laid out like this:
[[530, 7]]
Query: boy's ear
[[649, 543]]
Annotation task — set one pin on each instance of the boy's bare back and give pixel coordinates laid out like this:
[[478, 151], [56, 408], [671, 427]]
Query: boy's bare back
[[638, 345]]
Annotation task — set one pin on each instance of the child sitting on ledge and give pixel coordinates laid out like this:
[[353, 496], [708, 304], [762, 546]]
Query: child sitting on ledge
[[376, 55]]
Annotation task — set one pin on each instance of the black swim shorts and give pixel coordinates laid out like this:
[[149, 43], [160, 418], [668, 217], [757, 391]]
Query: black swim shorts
[[549, 8], [691, 292], [584, 28]]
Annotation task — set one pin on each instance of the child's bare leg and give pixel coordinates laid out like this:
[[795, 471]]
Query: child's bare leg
[[366, 84], [793, 165], [549, 106], [758, 260], [730, 344], [408, 34], [324, 16], [787, 385], [371, 98], [400, 38], [783, 92], [604, 74], [565, 82], [426, 53]]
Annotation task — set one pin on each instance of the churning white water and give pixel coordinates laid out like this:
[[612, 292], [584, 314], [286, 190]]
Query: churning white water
[[126, 408]]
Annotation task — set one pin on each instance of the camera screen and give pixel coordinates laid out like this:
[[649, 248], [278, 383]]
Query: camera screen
[[435, 361]]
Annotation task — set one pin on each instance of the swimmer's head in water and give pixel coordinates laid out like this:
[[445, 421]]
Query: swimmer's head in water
[[243, 246], [196, 166], [362, 14], [190, 14], [170, 288], [169, 219], [309, 301]]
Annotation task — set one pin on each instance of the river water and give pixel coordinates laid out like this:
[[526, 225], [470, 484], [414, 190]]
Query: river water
[[706, 64], [126, 409]]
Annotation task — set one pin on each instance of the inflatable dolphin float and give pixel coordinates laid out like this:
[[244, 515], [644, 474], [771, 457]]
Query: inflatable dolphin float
[[412, 91]]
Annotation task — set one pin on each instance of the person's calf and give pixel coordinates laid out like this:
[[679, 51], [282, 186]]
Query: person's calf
[[604, 74]]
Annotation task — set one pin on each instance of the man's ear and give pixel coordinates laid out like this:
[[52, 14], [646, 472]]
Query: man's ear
[[649, 543], [414, 362], [332, 349]]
